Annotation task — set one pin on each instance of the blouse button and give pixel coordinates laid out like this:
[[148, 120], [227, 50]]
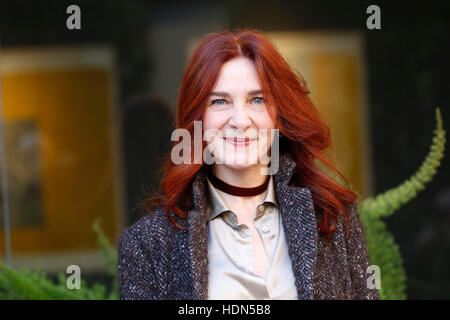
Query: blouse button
[[261, 208], [265, 229]]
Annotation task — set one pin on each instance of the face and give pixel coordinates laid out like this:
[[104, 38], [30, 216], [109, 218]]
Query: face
[[236, 123]]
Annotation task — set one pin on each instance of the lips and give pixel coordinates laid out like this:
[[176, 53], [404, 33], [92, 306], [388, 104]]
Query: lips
[[235, 140]]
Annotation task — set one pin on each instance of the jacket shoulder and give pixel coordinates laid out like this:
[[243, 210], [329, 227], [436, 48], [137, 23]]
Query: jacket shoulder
[[139, 249], [146, 229], [152, 231]]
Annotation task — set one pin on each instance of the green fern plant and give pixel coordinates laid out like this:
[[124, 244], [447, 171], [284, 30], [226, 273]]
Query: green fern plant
[[383, 250], [110, 257], [23, 284]]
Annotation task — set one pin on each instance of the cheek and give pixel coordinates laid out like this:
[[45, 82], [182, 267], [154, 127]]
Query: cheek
[[263, 121], [212, 120]]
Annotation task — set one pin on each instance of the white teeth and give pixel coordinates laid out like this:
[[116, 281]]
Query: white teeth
[[239, 140]]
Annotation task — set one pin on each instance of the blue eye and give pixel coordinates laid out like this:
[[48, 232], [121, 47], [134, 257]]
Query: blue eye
[[260, 99], [218, 100]]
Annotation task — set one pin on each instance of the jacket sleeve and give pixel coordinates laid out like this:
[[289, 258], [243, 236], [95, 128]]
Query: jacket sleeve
[[358, 258], [134, 269]]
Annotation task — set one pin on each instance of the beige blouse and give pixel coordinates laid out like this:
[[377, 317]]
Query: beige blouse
[[230, 252]]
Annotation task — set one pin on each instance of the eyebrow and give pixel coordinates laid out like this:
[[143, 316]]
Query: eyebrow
[[226, 94]]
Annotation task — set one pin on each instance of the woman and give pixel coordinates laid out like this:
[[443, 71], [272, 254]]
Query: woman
[[230, 222]]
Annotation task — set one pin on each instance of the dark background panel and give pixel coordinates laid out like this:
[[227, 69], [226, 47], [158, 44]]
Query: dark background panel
[[408, 71]]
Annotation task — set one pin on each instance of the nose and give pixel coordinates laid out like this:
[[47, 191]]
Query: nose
[[240, 119]]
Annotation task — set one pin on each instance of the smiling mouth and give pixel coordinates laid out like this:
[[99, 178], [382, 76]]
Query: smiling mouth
[[239, 141]]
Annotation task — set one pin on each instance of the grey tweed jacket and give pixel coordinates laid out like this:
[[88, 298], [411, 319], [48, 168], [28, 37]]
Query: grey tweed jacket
[[159, 261]]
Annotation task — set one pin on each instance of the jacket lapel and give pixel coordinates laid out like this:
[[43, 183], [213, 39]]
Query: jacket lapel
[[299, 224], [198, 236]]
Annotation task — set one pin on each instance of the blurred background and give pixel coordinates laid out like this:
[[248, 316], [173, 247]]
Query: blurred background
[[87, 113]]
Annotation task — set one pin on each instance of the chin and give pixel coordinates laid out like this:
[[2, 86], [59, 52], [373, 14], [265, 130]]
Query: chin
[[239, 166], [238, 161]]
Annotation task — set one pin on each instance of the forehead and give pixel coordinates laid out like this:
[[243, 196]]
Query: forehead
[[238, 74]]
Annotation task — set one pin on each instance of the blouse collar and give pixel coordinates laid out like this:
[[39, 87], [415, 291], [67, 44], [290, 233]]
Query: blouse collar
[[216, 204]]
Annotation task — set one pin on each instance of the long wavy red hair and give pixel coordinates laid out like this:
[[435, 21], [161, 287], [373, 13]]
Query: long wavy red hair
[[304, 134]]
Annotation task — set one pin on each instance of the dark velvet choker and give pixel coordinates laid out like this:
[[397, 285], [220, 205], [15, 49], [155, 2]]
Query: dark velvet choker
[[233, 190]]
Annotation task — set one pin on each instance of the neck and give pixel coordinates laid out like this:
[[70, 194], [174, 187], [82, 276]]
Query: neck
[[243, 207], [246, 178]]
